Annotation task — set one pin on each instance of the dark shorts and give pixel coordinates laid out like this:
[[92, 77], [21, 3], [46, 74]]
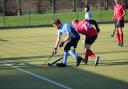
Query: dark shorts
[[119, 24], [91, 39], [72, 43]]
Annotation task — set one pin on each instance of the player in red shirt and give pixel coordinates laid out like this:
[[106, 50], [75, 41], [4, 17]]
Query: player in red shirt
[[119, 12], [86, 28]]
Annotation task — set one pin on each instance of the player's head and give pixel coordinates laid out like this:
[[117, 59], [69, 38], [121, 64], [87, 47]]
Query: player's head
[[56, 23], [75, 22], [117, 1], [87, 8]]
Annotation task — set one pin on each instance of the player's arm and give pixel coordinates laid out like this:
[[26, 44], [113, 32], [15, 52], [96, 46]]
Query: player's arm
[[113, 18], [95, 24], [65, 39], [68, 32], [123, 13], [57, 43]]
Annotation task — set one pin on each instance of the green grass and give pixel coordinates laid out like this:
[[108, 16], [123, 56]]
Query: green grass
[[46, 19], [29, 48]]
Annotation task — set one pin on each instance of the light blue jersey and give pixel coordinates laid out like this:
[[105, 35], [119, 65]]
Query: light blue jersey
[[66, 29], [88, 16]]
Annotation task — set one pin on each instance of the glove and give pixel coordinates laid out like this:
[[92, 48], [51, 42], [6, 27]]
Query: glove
[[61, 44], [54, 51], [98, 30]]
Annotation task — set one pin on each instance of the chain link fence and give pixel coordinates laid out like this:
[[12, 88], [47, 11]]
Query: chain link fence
[[16, 13]]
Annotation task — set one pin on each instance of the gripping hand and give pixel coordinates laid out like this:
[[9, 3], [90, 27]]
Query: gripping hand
[[61, 44]]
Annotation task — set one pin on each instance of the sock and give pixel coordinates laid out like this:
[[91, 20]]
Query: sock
[[118, 37], [121, 37], [86, 55], [90, 53], [73, 54], [65, 57]]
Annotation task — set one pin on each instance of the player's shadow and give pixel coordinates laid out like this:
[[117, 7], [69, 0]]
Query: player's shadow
[[114, 62]]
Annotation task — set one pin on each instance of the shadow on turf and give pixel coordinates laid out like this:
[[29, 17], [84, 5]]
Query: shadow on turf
[[22, 61], [2, 40], [70, 76], [114, 62], [46, 56]]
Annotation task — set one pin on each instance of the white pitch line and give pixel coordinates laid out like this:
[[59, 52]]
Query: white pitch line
[[38, 76]]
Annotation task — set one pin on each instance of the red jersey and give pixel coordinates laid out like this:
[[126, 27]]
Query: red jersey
[[84, 27], [118, 11]]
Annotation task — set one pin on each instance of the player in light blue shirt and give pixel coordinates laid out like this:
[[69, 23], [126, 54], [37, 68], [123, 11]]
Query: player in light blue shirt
[[71, 40], [88, 15]]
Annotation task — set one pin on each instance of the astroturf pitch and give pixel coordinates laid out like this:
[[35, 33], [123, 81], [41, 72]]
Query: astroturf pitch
[[23, 51]]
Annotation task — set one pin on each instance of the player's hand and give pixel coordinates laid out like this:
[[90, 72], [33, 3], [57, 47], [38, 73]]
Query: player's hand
[[54, 51], [98, 30], [113, 18], [61, 44]]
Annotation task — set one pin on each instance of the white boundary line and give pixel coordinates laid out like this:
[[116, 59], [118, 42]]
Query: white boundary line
[[37, 76]]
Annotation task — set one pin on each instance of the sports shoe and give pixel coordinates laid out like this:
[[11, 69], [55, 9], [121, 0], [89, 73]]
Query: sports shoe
[[61, 65], [79, 59], [97, 60], [86, 62], [119, 44], [122, 43]]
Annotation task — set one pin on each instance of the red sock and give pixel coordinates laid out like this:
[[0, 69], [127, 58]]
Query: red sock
[[121, 37], [86, 55], [89, 53]]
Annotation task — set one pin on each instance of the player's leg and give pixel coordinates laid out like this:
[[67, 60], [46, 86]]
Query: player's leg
[[67, 51], [88, 52], [65, 55], [121, 37], [121, 25], [118, 36], [87, 48], [74, 43], [119, 32]]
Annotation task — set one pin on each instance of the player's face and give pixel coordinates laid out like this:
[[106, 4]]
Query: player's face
[[57, 26], [85, 9], [116, 1]]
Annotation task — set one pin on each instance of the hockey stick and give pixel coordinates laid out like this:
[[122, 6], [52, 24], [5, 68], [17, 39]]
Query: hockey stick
[[45, 65], [50, 64], [112, 35]]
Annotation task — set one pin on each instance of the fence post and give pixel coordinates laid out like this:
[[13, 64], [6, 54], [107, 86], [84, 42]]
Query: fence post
[[3, 14], [29, 14], [100, 11], [53, 8], [87, 2], [76, 2]]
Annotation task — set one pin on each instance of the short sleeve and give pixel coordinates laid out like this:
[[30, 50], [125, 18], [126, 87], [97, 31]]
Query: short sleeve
[[59, 32], [66, 28]]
